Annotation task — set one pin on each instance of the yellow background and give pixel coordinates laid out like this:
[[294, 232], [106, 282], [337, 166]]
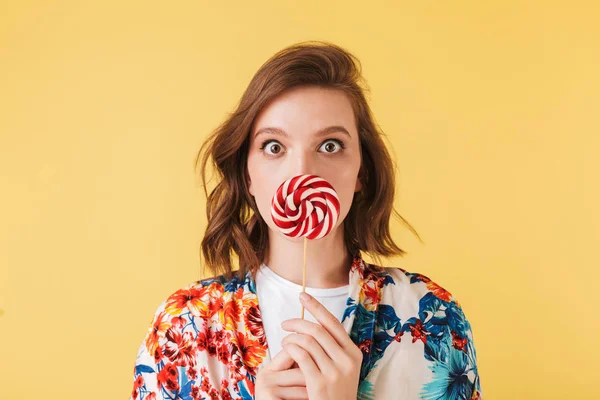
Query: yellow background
[[490, 107]]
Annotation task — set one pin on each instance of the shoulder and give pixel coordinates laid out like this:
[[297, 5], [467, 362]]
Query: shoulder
[[197, 303], [200, 298], [429, 312], [188, 317], [417, 298], [417, 285]]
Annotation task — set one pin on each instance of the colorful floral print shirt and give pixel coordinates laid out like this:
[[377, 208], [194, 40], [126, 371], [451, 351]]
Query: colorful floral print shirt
[[207, 341]]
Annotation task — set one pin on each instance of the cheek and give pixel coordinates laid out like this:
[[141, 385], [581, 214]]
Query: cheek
[[344, 182], [258, 177], [264, 184]]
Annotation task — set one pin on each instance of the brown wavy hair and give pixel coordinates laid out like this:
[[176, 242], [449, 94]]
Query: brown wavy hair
[[235, 226]]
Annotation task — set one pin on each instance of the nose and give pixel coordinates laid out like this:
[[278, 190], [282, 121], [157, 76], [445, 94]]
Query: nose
[[304, 163]]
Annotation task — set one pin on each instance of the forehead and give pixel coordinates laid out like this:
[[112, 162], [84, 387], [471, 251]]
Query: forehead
[[307, 108]]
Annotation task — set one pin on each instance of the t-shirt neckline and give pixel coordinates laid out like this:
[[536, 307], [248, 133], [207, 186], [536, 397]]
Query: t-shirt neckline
[[316, 292]]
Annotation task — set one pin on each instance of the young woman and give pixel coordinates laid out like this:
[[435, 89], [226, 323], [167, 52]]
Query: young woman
[[370, 332]]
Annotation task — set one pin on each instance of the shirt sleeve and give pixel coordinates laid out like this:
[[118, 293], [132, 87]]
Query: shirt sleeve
[[477, 393], [462, 339], [453, 357], [147, 371]]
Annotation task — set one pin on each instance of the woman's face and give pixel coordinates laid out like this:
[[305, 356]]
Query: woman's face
[[317, 135]]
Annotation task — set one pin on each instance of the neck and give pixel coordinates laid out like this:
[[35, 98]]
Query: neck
[[327, 259]]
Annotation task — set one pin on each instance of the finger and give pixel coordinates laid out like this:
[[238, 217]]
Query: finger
[[329, 322], [305, 361], [309, 343], [289, 377], [327, 343], [291, 393], [281, 361]]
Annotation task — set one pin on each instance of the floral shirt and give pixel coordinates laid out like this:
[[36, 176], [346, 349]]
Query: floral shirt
[[207, 340]]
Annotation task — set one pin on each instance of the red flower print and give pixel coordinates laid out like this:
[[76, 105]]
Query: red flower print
[[421, 277], [157, 331], [180, 348], [205, 386], [211, 345], [168, 377], [458, 342], [232, 310], [201, 340], [150, 396], [223, 353], [371, 291], [178, 322], [225, 395], [235, 363], [194, 299], [252, 351], [214, 394], [365, 346], [398, 336], [191, 373], [220, 335], [216, 305], [158, 353], [254, 323], [418, 331], [374, 275], [439, 291], [139, 381]]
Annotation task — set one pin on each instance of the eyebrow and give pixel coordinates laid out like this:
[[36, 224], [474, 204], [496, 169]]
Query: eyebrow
[[320, 132]]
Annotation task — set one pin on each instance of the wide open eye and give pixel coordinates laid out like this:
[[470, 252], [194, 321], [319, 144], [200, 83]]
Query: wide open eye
[[273, 147], [330, 148]]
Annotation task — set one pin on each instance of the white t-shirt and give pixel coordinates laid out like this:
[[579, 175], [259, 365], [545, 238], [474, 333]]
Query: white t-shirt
[[278, 301]]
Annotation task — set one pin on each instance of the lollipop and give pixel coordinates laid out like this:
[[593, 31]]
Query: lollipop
[[305, 205]]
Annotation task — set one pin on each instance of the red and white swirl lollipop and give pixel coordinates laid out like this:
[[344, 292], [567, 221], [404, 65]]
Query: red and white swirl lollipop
[[305, 205]]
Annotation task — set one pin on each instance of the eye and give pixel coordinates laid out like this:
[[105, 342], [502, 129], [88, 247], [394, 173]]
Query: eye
[[267, 144], [329, 147]]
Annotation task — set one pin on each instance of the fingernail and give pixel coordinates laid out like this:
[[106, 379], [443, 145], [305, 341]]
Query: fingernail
[[304, 296]]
